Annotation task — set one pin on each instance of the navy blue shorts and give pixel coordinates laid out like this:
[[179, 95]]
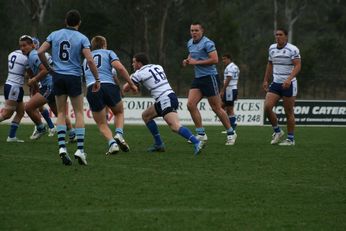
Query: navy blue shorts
[[48, 93], [13, 92], [167, 104], [67, 85], [276, 88], [108, 95], [230, 96], [209, 85]]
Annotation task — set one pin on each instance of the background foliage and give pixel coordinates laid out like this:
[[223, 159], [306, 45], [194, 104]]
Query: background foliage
[[243, 28]]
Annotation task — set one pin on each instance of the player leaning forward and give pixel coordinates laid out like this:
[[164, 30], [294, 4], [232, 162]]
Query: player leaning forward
[[109, 94], [284, 63], [153, 77]]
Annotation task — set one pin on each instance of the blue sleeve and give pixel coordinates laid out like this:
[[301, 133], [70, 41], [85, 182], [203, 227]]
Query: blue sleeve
[[85, 42], [113, 56], [50, 37], [210, 46]]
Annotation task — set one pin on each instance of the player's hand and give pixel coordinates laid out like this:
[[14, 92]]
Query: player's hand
[[286, 84], [126, 87], [32, 82], [134, 88], [265, 86], [96, 86], [185, 62]]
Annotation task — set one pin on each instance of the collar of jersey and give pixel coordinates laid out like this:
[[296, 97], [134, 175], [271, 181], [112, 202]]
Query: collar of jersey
[[70, 28], [197, 41]]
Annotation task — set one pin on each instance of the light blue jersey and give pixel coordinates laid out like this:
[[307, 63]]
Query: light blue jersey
[[199, 51], [34, 63], [67, 45], [103, 59]]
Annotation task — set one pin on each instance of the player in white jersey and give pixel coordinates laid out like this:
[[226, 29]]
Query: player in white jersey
[[284, 63], [153, 77], [18, 65], [229, 91]]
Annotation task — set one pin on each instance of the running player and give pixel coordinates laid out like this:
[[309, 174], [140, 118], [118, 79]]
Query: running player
[[13, 90], [153, 77], [109, 94]]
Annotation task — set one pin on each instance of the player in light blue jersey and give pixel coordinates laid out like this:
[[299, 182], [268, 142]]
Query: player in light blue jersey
[[153, 77], [203, 56], [109, 94], [284, 63], [67, 45]]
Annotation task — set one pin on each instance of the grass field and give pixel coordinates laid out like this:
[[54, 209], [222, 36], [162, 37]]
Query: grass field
[[250, 186]]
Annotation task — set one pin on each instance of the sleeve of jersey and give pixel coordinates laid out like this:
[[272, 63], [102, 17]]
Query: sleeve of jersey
[[113, 56], [295, 54], [210, 46], [85, 42], [135, 78], [49, 39]]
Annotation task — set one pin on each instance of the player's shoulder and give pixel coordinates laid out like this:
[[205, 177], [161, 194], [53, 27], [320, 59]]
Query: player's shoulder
[[233, 66], [273, 46], [291, 47]]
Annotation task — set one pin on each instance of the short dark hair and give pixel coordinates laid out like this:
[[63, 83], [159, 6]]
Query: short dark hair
[[283, 30], [228, 56], [26, 38], [195, 23], [142, 58], [73, 18]]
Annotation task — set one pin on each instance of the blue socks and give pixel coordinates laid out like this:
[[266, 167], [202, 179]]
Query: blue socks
[[186, 133], [233, 121], [13, 129], [290, 136], [151, 125], [276, 129], [61, 130], [45, 114], [80, 133]]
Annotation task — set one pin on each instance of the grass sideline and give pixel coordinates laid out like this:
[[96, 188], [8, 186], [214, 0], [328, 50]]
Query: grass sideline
[[250, 186]]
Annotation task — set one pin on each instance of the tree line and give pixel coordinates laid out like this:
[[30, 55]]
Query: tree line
[[242, 28]]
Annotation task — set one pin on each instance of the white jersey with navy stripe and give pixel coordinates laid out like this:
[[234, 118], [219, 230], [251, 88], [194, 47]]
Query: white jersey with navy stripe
[[233, 71], [153, 78], [17, 65], [281, 59]]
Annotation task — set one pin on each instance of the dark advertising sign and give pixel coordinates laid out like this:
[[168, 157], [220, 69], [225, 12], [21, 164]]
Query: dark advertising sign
[[311, 112]]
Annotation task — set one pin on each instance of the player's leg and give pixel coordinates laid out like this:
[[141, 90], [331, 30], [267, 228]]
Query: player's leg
[[101, 121], [288, 103], [118, 112], [8, 110], [78, 108], [99, 112], [112, 98], [11, 94], [172, 120], [270, 101], [215, 104], [31, 107], [12, 136], [148, 117], [194, 97]]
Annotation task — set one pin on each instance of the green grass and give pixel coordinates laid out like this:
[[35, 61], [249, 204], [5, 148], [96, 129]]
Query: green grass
[[250, 186]]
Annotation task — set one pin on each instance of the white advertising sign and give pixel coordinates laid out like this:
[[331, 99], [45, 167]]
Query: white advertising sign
[[248, 111]]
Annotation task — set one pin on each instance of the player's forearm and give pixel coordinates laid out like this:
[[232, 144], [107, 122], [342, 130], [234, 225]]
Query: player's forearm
[[268, 72], [44, 61], [295, 71]]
